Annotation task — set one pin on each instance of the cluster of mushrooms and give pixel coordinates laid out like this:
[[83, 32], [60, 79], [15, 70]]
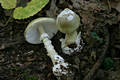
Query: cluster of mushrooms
[[41, 30]]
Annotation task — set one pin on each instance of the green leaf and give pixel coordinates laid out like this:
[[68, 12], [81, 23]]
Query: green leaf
[[108, 63], [95, 36], [32, 8], [8, 4]]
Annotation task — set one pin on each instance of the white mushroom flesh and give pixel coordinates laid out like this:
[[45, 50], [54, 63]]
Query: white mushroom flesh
[[79, 42], [42, 30], [67, 22], [60, 66]]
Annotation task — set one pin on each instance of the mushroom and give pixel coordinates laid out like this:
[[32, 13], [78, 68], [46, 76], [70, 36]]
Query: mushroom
[[42, 30], [68, 22]]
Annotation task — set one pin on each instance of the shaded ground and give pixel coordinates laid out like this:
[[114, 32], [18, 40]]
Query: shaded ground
[[20, 60]]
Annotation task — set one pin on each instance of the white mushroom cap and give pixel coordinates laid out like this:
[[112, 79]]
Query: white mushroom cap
[[67, 21], [32, 34]]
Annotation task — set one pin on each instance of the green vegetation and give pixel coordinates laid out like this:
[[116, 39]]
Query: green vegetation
[[96, 37], [8, 4], [108, 63], [33, 7]]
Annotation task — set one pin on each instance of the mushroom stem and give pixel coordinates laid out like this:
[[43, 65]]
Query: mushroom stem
[[45, 38], [49, 47], [70, 38], [57, 60]]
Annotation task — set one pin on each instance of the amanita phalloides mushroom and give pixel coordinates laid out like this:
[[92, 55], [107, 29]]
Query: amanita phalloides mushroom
[[68, 22], [42, 30]]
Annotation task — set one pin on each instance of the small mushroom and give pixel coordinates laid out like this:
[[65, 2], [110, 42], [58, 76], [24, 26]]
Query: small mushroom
[[42, 30], [68, 22]]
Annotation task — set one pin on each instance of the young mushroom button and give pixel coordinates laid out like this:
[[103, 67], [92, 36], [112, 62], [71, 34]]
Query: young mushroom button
[[68, 22], [41, 30]]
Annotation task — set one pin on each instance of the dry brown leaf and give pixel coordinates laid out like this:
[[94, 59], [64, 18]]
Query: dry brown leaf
[[88, 20], [112, 4]]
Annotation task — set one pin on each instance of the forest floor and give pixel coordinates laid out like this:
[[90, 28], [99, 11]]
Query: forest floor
[[98, 60]]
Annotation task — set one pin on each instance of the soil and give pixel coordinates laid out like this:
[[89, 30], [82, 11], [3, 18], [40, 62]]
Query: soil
[[98, 60]]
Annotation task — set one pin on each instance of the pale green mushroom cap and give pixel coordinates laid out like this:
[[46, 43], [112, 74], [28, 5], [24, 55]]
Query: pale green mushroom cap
[[67, 21], [32, 34]]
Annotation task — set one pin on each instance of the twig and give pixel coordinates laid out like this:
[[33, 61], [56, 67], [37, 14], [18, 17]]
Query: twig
[[100, 60], [6, 45], [109, 6], [6, 23]]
